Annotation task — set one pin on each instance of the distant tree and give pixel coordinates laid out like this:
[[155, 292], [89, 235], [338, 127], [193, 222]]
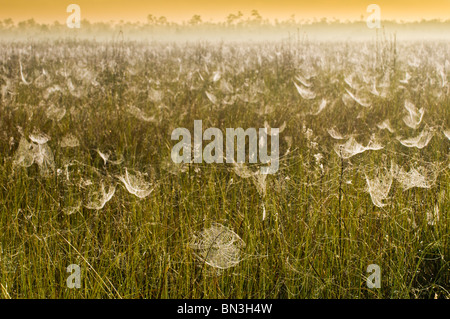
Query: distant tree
[[292, 19], [195, 20], [232, 18], [27, 24], [256, 16], [85, 23], [154, 20], [151, 19], [162, 21], [8, 23]]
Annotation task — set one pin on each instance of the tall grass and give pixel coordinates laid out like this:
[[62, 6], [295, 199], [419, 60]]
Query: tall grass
[[322, 229]]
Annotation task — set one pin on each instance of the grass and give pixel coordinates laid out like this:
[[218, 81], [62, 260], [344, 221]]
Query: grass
[[322, 229]]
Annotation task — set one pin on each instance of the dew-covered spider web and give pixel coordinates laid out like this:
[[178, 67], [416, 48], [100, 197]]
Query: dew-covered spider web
[[218, 246]]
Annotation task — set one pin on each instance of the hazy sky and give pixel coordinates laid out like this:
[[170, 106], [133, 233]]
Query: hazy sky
[[217, 10]]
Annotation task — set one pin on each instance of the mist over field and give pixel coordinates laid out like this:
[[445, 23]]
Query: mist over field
[[235, 28]]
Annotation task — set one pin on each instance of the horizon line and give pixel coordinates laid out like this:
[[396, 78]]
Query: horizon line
[[263, 21]]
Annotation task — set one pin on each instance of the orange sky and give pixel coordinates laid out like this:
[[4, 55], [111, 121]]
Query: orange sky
[[217, 10]]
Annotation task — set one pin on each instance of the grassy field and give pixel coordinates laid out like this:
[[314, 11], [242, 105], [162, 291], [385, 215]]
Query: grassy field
[[82, 120]]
